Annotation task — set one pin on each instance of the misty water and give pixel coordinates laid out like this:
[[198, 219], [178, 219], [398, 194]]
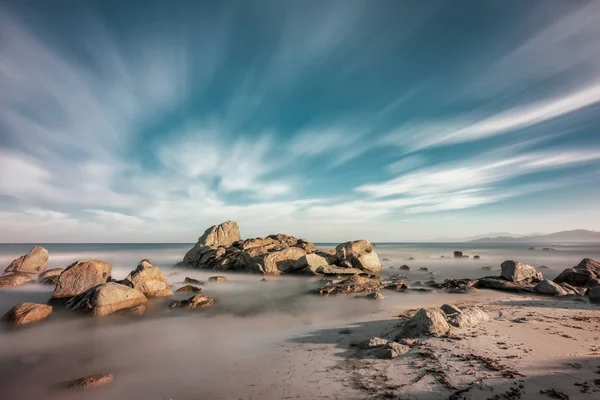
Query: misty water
[[230, 349]]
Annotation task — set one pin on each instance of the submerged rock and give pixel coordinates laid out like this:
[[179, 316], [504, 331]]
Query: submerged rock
[[218, 279], [90, 382], [192, 280], [15, 279], [405, 268], [458, 254], [33, 262], [106, 299], [149, 280], [188, 289], [353, 284], [81, 276], [426, 322], [586, 271], [519, 272], [197, 301], [548, 287], [26, 313]]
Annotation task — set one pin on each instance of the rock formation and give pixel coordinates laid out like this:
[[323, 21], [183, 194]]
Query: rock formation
[[518, 272], [26, 313], [221, 249], [33, 262], [105, 299], [586, 273], [80, 276], [149, 280]]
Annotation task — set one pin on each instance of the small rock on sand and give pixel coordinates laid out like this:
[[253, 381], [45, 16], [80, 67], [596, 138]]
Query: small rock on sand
[[450, 309], [548, 287], [90, 382], [426, 322], [469, 316], [375, 296], [518, 272]]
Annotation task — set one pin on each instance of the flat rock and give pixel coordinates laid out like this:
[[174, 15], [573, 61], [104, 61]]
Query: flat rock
[[546, 286], [106, 299], [197, 301], [353, 284], [81, 276], [514, 271], [15, 279], [26, 313], [497, 283], [33, 262], [192, 280], [149, 280], [426, 322], [469, 316], [90, 382]]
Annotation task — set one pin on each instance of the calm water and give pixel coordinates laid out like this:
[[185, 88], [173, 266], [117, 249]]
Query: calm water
[[239, 348]]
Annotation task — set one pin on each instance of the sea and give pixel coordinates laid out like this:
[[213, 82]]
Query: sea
[[245, 346]]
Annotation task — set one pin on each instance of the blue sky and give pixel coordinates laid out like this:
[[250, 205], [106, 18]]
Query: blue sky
[[329, 120]]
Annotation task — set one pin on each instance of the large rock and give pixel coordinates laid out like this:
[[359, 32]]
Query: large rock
[[26, 313], [548, 287], [80, 276], [594, 295], [469, 316], [426, 322], [498, 283], [587, 270], [15, 279], [105, 299], [216, 236], [311, 263], [50, 276], [33, 262], [519, 272], [360, 254], [149, 280], [281, 261]]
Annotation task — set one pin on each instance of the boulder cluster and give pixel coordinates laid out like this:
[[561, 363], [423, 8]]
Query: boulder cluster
[[221, 248]]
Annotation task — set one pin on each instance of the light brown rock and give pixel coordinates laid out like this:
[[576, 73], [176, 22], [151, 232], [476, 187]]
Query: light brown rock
[[360, 254], [217, 279], [281, 261], [469, 316], [54, 272], [197, 301], [80, 276], [353, 284], [105, 299], [149, 280], [426, 322], [312, 262], [519, 272], [15, 279], [33, 262], [188, 289], [26, 313], [90, 382]]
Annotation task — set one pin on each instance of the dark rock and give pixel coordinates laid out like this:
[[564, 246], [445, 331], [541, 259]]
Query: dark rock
[[532, 248], [548, 287], [425, 269], [579, 275], [450, 309], [594, 295], [188, 289], [197, 301], [476, 258], [192, 280], [353, 284], [497, 283], [458, 254], [405, 268]]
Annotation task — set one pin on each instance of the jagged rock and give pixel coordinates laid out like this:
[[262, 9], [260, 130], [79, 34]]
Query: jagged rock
[[426, 322], [360, 254], [498, 283], [594, 294], [397, 284], [375, 296], [215, 237], [519, 272], [15, 279], [50, 277], [548, 287], [405, 268], [105, 299], [197, 301], [218, 279], [149, 280], [188, 289], [281, 261], [458, 254], [90, 382], [26, 313], [311, 262], [571, 289], [353, 284], [450, 309], [470, 316], [579, 275], [81, 276], [33, 262]]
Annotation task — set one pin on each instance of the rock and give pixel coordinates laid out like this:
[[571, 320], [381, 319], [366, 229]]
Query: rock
[[81, 276], [217, 279], [15, 279], [26, 313], [452, 283], [33, 262], [353, 284], [470, 316], [375, 296], [136, 311], [463, 290], [149, 280], [498, 283], [543, 267], [197, 301], [488, 268], [221, 235], [332, 270], [50, 276], [410, 258], [360, 254], [188, 289], [405, 268], [372, 343], [281, 261], [383, 348], [424, 269], [570, 289], [312, 262], [458, 254], [426, 322], [385, 259], [547, 249], [450, 309], [518, 272], [476, 257], [465, 256], [192, 280], [579, 275], [532, 248], [90, 382], [592, 282], [594, 295], [548, 287], [105, 299]]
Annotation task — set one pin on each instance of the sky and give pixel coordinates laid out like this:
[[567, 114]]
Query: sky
[[149, 121]]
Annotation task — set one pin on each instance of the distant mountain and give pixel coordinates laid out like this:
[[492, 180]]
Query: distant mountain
[[577, 235], [476, 237]]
